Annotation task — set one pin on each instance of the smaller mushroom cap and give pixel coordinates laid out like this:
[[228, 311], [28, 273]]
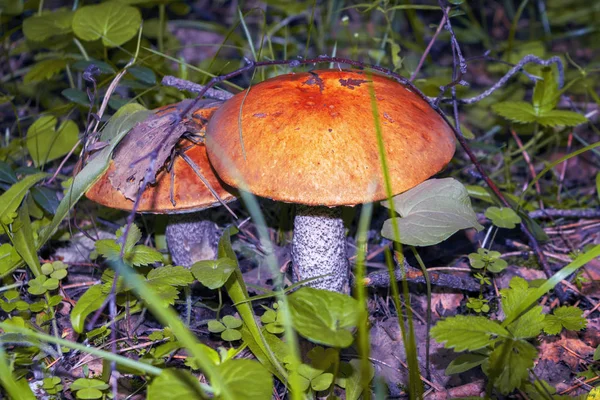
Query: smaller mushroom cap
[[189, 191], [310, 138]]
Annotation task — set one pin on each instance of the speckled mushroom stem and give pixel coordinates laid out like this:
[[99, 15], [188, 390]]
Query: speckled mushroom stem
[[191, 238], [319, 248]]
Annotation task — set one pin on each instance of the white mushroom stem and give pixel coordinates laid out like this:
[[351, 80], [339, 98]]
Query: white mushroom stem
[[319, 248], [191, 238]]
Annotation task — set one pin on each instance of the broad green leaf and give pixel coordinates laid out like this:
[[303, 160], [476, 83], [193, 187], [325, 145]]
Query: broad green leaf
[[465, 362], [76, 96], [45, 198], [88, 303], [432, 212], [11, 199], [503, 217], [144, 255], [513, 358], [8, 256], [143, 74], [167, 294], [324, 317], [111, 21], [45, 143], [534, 295], [45, 70], [108, 248], [134, 234], [467, 332], [568, 317], [173, 276], [213, 273], [174, 384], [545, 93], [516, 111], [51, 23], [514, 295], [528, 325], [7, 175], [561, 118], [246, 380], [24, 241]]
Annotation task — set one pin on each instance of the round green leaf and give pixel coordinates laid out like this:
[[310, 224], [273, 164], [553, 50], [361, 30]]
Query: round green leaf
[[89, 394], [45, 143], [47, 269], [231, 335], [232, 322], [324, 317], [503, 217], [431, 212], [321, 382], [213, 273], [113, 22], [51, 23], [215, 326]]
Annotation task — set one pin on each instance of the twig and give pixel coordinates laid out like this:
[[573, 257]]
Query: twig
[[529, 165], [382, 279], [182, 84], [564, 168], [430, 45], [517, 68], [574, 213]]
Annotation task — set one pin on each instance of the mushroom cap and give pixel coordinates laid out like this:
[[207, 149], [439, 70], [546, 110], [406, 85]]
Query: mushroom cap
[[189, 191], [310, 138]]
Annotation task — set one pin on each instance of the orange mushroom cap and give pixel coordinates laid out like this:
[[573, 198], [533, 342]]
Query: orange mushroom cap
[[310, 138], [189, 191]]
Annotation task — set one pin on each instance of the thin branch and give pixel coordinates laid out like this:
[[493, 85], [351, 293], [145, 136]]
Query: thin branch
[[182, 84], [514, 70], [430, 45]]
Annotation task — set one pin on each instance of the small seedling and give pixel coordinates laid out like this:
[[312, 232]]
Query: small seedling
[[487, 260], [479, 304]]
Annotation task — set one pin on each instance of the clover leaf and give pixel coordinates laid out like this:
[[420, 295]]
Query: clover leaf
[[503, 217], [228, 327]]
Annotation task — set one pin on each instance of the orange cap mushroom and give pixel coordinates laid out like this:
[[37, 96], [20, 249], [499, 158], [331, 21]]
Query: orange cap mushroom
[[311, 139], [190, 237]]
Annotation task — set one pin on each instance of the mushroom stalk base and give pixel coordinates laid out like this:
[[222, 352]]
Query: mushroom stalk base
[[191, 238], [319, 248]]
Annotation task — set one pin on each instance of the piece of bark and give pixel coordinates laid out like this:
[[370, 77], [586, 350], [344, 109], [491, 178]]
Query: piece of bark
[[382, 279], [150, 144]]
